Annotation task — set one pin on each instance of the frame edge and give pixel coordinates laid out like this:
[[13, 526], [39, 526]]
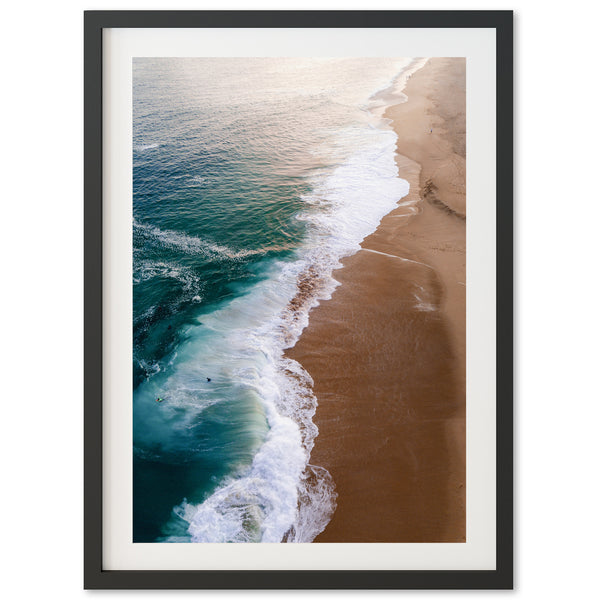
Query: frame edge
[[94, 576]]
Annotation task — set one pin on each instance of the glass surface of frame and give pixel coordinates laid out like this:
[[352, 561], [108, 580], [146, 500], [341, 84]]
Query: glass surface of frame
[[253, 149]]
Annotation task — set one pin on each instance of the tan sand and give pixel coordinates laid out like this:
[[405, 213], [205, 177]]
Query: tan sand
[[387, 352]]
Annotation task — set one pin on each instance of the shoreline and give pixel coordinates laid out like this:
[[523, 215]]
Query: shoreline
[[387, 351]]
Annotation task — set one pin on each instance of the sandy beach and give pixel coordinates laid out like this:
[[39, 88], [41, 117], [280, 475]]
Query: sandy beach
[[387, 352]]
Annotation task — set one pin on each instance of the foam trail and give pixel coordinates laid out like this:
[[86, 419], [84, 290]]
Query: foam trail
[[148, 269], [190, 244], [416, 262], [142, 147]]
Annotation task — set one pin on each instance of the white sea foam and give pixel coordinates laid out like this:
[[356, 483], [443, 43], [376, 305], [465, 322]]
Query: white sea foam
[[392, 93], [423, 302], [261, 505], [402, 79], [142, 147], [190, 244], [424, 306], [148, 269], [197, 181]]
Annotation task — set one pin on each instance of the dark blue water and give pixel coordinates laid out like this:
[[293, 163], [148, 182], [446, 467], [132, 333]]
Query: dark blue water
[[251, 178]]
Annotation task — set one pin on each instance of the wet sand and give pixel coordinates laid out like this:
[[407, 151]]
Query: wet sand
[[387, 352]]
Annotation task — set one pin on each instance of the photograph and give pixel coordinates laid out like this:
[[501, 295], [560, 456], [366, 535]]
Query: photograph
[[299, 299]]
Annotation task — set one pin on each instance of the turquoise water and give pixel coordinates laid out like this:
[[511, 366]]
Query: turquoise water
[[251, 179]]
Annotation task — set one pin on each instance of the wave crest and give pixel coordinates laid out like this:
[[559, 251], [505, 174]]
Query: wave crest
[[189, 244]]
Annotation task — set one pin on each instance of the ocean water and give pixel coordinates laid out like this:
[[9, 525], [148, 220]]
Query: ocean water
[[252, 178]]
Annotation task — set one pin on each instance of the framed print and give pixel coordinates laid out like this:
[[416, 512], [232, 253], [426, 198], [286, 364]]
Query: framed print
[[298, 299]]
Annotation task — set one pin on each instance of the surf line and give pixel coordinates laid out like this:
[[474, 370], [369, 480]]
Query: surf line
[[398, 257]]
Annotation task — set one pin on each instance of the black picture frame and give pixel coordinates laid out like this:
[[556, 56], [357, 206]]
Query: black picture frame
[[95, 577]]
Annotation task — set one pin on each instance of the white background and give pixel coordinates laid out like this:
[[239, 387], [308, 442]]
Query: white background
[[557, 324]]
